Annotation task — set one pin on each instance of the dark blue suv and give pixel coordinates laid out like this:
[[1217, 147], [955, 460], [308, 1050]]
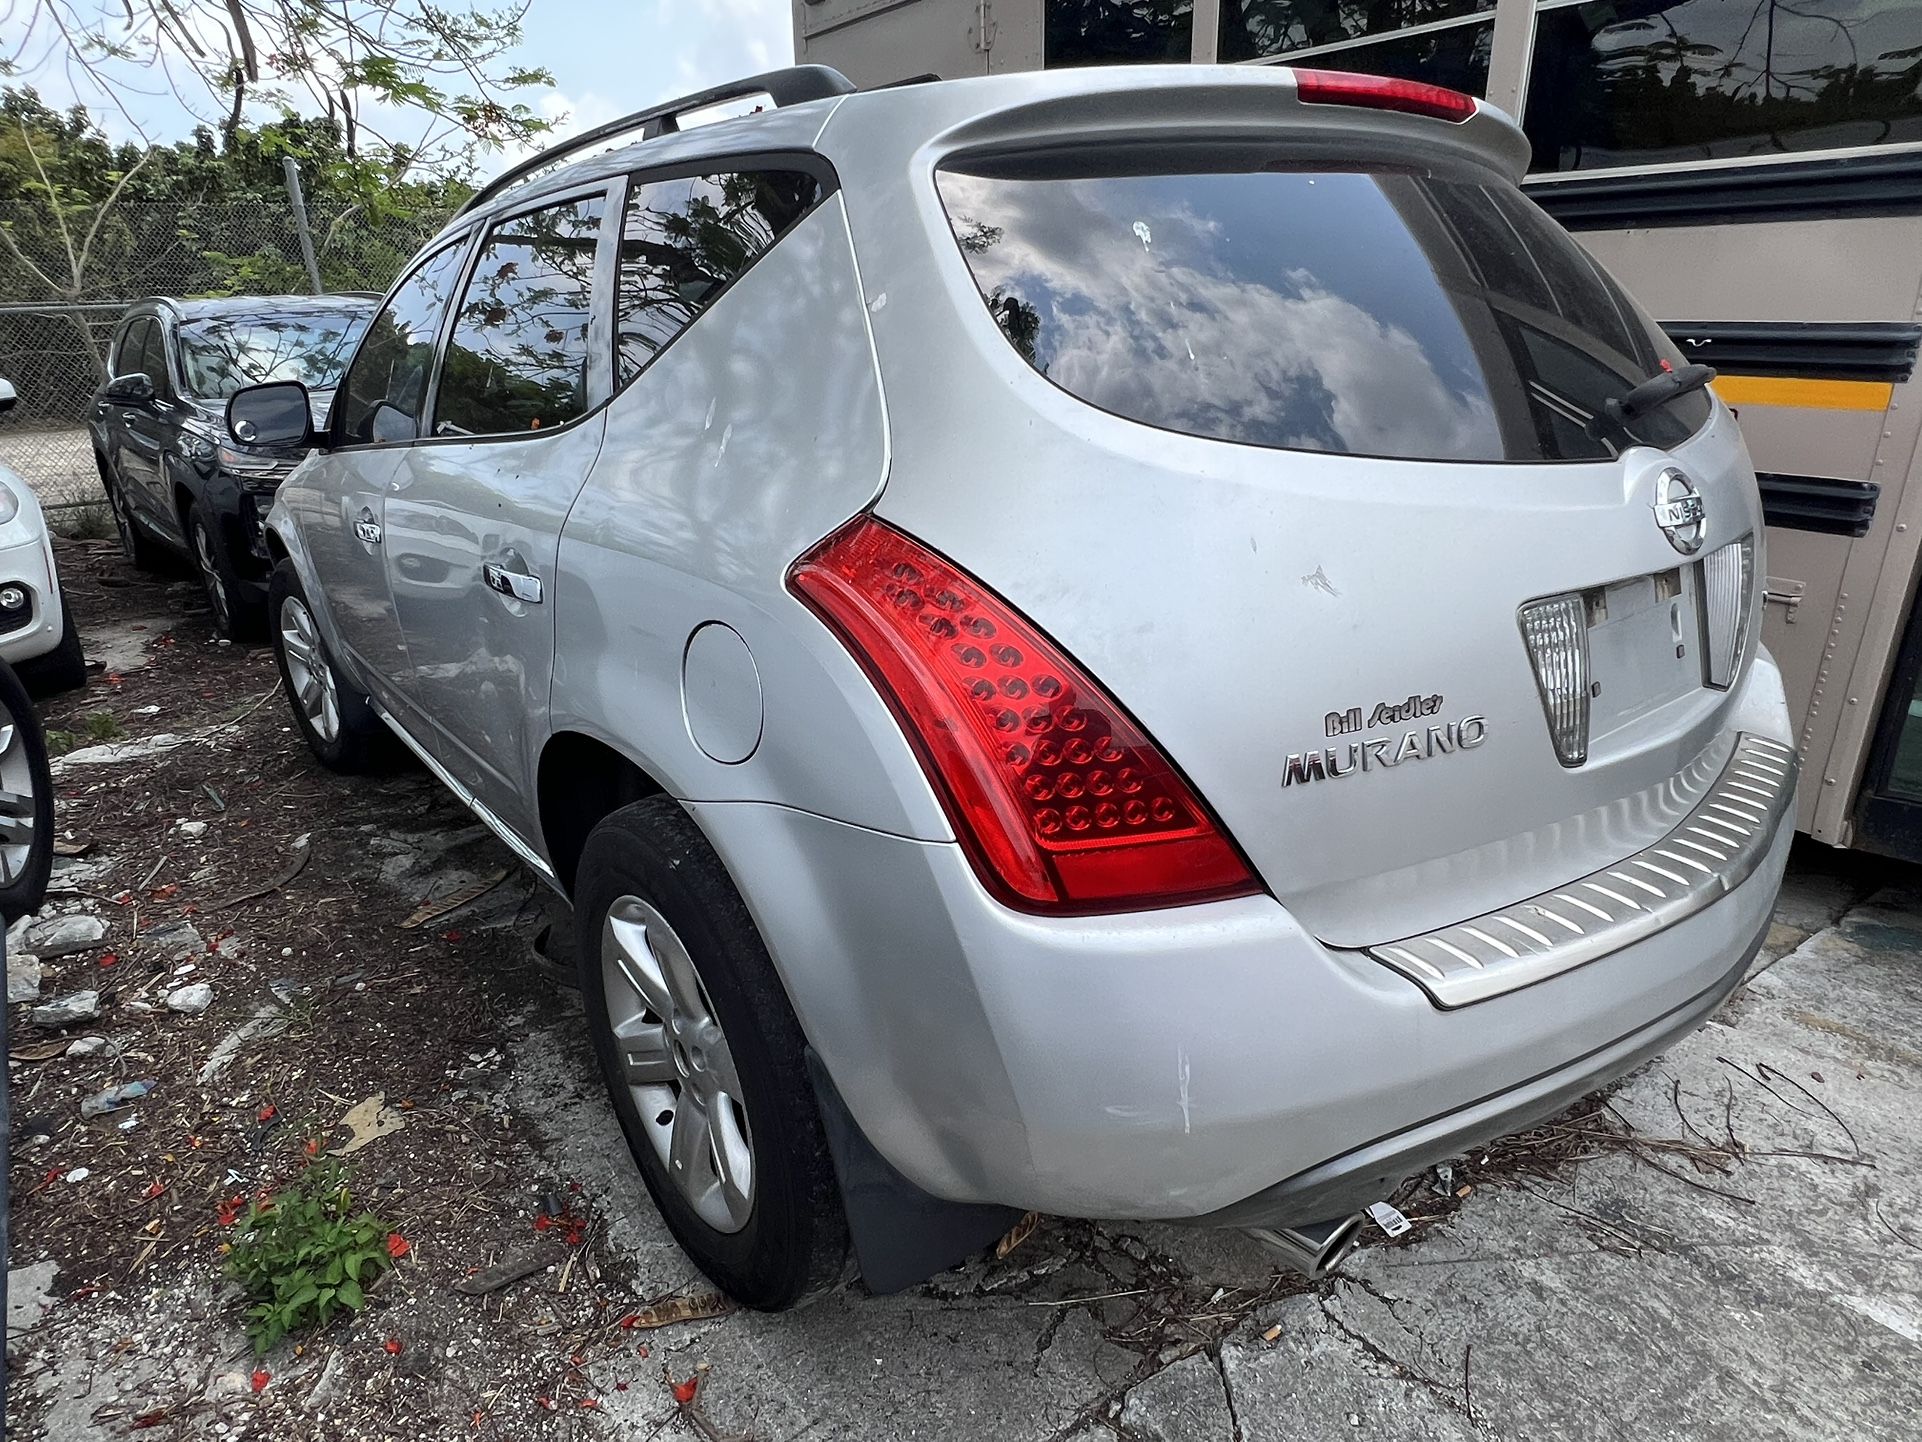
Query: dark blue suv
[[177, 479]]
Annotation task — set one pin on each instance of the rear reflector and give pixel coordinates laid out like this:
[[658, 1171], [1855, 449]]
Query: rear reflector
[[1556, 632], [1382, 92], [1060, 800], [1728, 577]]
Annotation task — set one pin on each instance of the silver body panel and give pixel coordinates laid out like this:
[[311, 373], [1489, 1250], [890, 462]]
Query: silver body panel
[[992, 1055]]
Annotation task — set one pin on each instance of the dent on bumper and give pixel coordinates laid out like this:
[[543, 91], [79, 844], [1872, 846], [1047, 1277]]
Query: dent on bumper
[[1165, 1065]]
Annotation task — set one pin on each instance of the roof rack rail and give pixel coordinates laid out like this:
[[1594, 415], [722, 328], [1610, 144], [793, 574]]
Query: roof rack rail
[[795, 85]]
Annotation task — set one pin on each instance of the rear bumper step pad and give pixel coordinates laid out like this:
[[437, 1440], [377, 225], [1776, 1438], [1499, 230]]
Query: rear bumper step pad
[[1712, 851]]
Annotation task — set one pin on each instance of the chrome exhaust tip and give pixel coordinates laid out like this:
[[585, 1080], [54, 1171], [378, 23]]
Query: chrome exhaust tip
[[1315, 1248]]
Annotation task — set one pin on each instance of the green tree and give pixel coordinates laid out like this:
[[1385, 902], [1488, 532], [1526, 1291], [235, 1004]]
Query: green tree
[[404, 84]]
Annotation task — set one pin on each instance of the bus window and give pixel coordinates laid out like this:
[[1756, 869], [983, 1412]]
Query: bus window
[[1450, 47], [1650, 82], [1119, 32]]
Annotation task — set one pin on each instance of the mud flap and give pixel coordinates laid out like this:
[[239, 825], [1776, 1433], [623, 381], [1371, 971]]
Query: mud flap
[[901, 1234]]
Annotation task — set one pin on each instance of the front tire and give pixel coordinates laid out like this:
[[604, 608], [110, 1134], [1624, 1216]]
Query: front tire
[[338, 719], [233, 617], [64, 668], [704, 1059]]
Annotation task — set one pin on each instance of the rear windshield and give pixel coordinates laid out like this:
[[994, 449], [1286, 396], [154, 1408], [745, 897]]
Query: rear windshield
[[1373, 313]]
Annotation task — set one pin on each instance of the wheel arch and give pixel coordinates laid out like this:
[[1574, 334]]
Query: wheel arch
[[580, 780]]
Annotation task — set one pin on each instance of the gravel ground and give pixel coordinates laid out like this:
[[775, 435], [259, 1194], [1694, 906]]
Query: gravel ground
[[1729, 1245]]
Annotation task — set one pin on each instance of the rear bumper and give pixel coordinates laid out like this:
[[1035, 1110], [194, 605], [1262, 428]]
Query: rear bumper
[[1209, 1062], [1372, 1171], [1203, 1063]]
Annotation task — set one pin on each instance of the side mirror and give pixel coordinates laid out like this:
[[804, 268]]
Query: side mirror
[[130, 390], [277, 415], [8, 395]]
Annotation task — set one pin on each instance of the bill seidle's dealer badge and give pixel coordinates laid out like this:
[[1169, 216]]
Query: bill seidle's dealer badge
[[1411, 735]]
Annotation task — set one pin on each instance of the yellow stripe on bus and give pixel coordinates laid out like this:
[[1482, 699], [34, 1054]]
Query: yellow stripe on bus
[[1808, 394]]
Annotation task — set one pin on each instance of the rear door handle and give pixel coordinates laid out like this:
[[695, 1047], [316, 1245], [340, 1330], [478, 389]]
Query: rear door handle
[[517, 584], [367, 528]]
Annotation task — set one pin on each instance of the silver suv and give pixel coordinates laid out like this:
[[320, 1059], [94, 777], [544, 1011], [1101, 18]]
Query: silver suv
[[1145, 643]]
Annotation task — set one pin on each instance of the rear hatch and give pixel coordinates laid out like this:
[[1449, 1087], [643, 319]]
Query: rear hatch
[[1310, 463]]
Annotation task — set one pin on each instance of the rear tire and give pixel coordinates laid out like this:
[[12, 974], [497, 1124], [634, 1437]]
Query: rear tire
[[337, 719], [140, 550], [64, 668], [719, 1049]]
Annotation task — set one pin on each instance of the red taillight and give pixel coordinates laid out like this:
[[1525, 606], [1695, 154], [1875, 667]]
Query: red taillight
[[1381, 92], [1062, 803]]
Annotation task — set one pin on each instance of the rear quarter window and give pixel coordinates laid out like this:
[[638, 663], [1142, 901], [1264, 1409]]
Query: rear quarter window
[[1367, 312], [684, 241]]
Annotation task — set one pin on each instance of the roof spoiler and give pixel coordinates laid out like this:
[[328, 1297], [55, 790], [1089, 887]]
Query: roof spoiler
[[796, 85]]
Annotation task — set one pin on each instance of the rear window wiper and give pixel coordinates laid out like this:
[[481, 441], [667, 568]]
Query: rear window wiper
[[1654, 393]]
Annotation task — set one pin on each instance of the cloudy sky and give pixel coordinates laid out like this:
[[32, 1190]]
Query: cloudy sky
[[608, 57]]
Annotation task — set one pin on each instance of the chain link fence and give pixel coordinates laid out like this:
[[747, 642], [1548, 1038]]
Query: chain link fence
[[61, 299]]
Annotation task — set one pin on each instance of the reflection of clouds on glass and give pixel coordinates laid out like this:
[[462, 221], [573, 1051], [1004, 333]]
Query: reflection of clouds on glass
[[1209, 331]]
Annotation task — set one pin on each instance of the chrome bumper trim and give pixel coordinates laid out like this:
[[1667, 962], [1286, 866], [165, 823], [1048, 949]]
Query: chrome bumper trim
[[1714, 849]]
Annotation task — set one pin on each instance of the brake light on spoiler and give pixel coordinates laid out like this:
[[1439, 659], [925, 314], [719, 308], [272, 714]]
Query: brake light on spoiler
[[1062, 803], [1382, 92]]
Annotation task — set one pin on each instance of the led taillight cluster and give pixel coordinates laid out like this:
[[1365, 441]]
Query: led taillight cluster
[[1061, 801]]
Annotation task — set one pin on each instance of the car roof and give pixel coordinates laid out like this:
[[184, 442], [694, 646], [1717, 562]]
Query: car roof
[[1135, 98], [351, 302]]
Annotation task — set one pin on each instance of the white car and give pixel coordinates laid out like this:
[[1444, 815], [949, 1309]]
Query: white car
[[37, 634]]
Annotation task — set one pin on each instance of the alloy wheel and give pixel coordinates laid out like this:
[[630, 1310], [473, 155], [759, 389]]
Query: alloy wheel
[[308, 670], [677, 1064], [210, 576], [16, 799]]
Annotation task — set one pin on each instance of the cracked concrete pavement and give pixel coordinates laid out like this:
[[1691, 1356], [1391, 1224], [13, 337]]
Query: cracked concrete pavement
[[1628, 1295]]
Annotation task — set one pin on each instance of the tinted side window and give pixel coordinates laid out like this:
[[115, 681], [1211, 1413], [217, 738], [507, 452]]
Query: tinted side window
[[1115, 32], [1676, 80], [517, 360], [129, 348], [153, 358], [390, 369], [683, 240]]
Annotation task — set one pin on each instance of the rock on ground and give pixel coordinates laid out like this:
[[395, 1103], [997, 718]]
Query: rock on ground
[[23, 977], [190, 1000], [66, 1010], [55, 936]]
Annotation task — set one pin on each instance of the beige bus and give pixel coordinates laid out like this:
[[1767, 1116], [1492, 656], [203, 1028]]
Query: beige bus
[[1751, 169]]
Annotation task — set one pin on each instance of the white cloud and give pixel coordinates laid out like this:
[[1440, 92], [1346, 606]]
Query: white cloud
[[571, 115]]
